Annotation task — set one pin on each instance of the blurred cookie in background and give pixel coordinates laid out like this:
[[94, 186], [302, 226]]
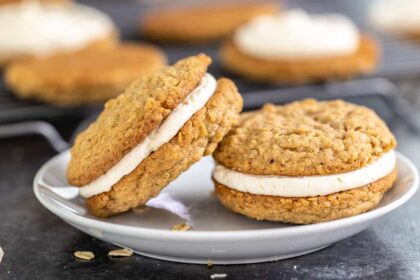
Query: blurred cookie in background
[[86, 77], [4, 2], [397, 17], [305, 162], [297, 48], [200, 24], [43, 28]]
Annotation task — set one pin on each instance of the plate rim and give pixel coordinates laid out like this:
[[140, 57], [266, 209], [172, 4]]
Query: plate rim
[[167, 234]]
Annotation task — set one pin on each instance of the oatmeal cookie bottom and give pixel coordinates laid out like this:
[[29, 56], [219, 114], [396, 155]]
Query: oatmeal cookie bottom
[[306, 210]]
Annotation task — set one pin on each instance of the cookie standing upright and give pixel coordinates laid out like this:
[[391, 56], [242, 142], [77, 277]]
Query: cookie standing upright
[[150, 134], [297, 48], [199, 24], [42, 28], [90, 76], [305, 162]]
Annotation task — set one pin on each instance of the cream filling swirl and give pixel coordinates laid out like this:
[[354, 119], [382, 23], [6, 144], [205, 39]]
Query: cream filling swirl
[[307, 185], [296, 35], [40, 29]]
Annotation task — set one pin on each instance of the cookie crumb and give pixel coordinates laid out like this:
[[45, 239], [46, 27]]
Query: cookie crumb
[[84, 255], [140, 209], [181, 227], [120, 253], [209, 263], [1, 254], [218, 276]]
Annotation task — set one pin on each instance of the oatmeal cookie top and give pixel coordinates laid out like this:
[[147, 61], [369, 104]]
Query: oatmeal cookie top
[[305, 138]]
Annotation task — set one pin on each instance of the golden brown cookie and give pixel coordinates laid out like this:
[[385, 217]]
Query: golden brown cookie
[[75, 28], [306, 139], [131, 117], [300, 71], [201, 23], [6, 2], [107, 42], [394, 19], [86, 77]]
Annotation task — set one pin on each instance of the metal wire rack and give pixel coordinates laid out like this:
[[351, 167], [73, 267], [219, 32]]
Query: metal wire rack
[[13, 110]]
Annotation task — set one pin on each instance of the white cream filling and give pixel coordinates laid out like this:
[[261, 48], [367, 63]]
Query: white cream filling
[[296, 34], [308, 185], [396, 16], [33, 28], [196, 100]]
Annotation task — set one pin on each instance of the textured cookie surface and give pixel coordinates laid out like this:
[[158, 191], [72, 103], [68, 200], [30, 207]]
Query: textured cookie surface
[[197, 138], [306, 210], [305, 138], [129, 118], [85, 77], [200, 24], [300, 71]]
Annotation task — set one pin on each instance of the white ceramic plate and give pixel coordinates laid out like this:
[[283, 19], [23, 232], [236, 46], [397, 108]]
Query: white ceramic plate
[[218, 234]]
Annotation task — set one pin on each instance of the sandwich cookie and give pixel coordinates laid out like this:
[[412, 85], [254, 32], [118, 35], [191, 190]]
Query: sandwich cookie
[[6, 2], [39, 29], [305, 162], [396, 17], [201, 23], [296, 48], [146, 137], [85, 77]]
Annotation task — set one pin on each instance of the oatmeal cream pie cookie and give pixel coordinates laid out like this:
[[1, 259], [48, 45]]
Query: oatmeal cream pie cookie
[[43, 28], [200, 23], [6, 2], [397, 17], [296, 48], [147, 136], [305, 162], [85, 77]]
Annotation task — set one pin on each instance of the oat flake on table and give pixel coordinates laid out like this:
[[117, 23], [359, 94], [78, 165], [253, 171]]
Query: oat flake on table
[[120, 253], [84, 255], [218, 276], [181, 227]]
